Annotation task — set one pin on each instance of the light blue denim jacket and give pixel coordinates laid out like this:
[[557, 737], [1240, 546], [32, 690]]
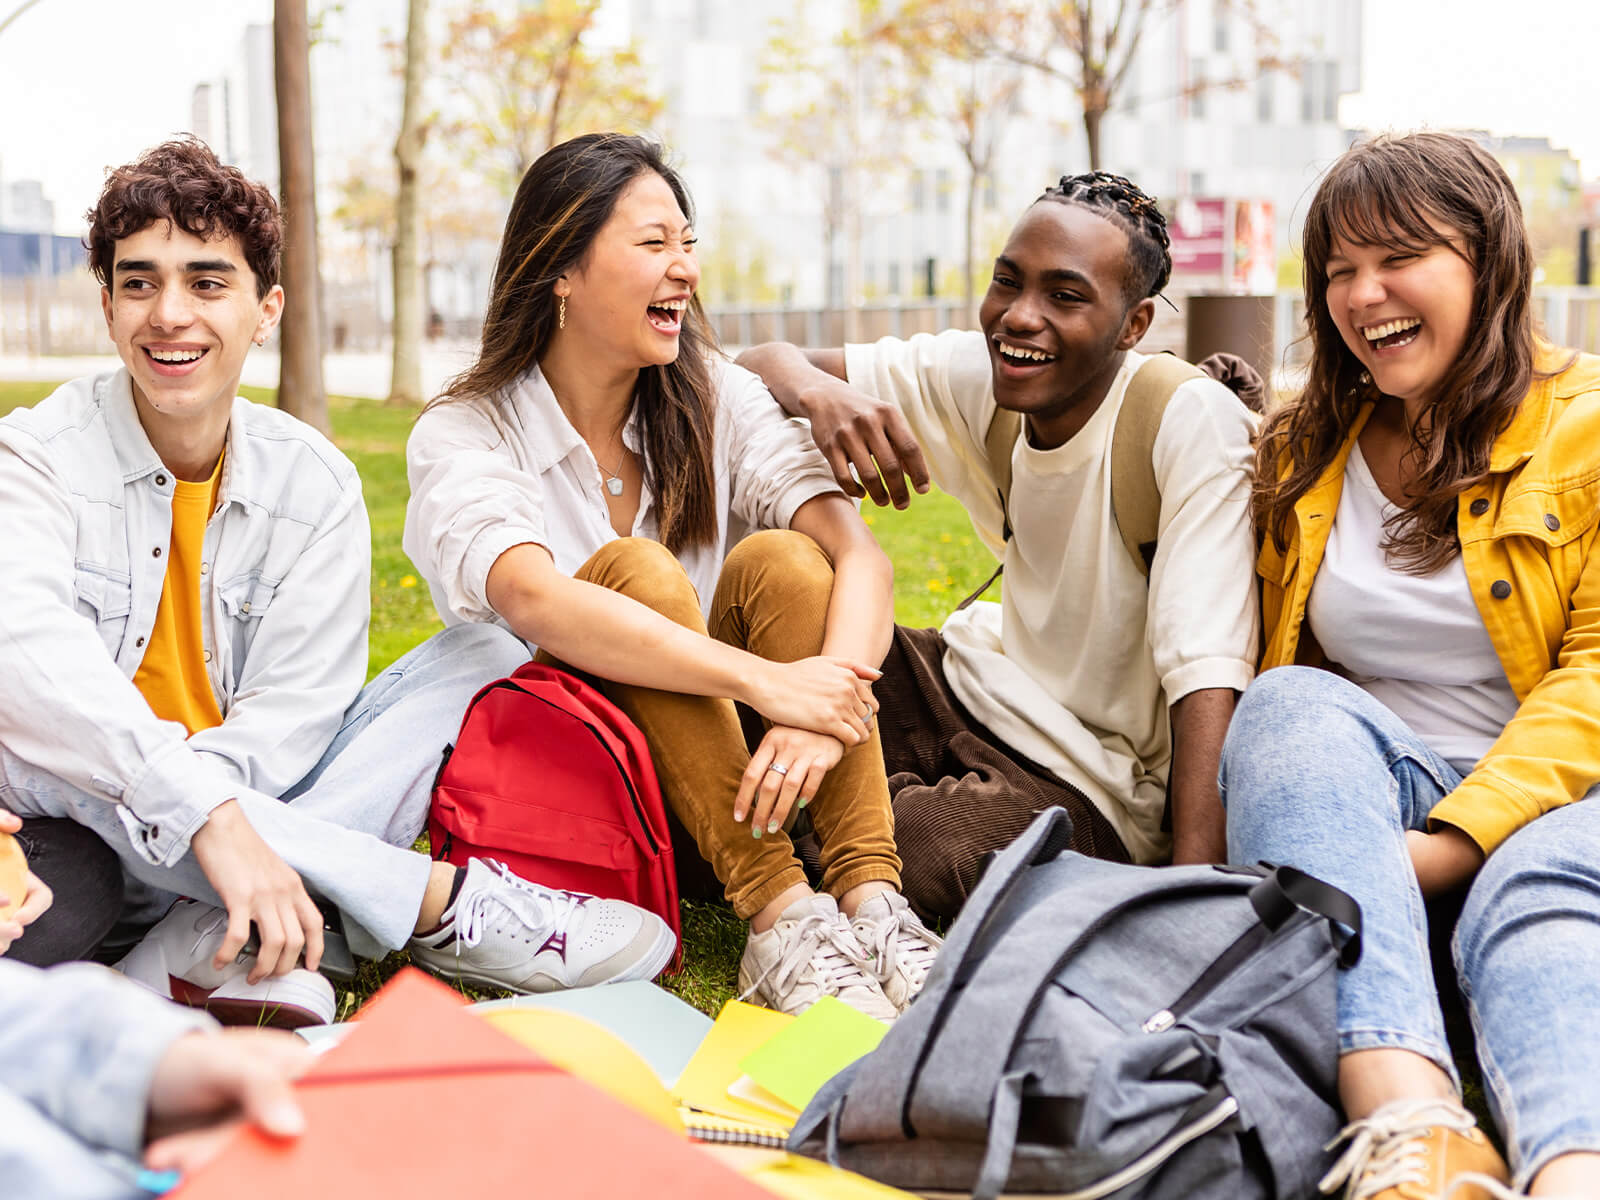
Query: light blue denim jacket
[[87, 507], [79, 1046]]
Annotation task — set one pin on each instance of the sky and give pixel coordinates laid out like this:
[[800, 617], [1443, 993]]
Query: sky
[[85, 85]]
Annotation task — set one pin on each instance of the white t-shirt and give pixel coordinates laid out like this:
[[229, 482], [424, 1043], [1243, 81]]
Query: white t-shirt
[[1416, 644], [1077, 665], [482, 483]]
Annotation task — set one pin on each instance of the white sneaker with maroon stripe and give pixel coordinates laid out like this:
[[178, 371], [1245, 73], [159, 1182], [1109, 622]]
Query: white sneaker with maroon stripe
[[502, 931], [174, 961]]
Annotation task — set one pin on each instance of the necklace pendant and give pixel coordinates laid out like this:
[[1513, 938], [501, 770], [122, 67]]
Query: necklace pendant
[[614, 486]]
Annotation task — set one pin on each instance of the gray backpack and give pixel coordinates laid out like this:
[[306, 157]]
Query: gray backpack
[[1094, 1029]]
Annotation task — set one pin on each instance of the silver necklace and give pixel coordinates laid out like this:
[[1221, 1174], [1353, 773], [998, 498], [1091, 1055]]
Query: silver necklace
[[613, 478]]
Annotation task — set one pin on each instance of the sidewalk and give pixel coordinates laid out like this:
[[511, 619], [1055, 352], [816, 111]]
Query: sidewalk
[[362, 374]]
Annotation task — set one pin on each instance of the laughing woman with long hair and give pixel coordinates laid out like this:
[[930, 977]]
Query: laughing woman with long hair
[[1428, 508], [606, 485]]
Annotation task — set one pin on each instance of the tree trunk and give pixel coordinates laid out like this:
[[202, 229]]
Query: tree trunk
[[300, 388], [1091, 128], [969, 293], [405, 375]]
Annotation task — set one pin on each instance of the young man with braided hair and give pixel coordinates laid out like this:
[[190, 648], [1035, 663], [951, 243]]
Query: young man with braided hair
[[1099, 683]]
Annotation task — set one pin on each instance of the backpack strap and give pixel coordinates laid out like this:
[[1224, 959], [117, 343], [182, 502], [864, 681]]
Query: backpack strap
[[1135, 496], [999, 440]]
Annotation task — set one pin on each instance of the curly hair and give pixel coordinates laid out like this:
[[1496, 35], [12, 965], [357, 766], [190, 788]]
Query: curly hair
[[183, 182], [1125, 205], [563, 202], [1414, 192]]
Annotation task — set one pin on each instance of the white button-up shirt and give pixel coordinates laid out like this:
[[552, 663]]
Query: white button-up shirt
[[490, 475], [284, 606]]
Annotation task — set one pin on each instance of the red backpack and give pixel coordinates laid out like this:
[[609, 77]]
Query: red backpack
[[551, 778]]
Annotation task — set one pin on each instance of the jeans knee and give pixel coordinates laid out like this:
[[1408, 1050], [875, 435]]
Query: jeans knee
[[492, 647], [646, 571], [1548, 871], [1291, 713]]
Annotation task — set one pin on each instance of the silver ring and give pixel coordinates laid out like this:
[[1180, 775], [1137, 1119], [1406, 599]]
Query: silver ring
[[779, 768]]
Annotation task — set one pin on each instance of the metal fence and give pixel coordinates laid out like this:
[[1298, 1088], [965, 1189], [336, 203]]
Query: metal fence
[[60, 315]]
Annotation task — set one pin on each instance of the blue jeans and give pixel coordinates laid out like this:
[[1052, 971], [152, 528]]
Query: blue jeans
[[1318, 775], [348, 826]]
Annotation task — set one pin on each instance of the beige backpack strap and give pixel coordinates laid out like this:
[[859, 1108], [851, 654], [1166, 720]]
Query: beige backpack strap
[[1005, 427], [1135, 498]]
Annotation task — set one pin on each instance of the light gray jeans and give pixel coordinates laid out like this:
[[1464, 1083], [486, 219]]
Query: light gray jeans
[[348, 826]]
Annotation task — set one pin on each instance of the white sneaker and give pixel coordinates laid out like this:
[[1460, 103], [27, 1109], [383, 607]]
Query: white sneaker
[[810, 953], [900, 948], [504, 932], [174, 961]]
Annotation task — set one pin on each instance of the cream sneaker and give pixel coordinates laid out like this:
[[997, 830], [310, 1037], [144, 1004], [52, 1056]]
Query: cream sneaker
[[810, 953], [900, 948]]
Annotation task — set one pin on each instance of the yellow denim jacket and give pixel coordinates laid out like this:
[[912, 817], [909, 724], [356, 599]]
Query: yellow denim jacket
[[1526, 533]]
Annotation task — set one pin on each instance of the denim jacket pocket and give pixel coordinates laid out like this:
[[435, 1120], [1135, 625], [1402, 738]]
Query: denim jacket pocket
[[245, 600], [105, 597]]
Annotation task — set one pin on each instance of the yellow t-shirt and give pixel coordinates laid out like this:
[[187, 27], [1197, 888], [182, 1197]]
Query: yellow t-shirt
[[173, 676]]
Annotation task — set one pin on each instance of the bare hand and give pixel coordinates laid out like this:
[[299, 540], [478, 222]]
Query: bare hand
[[806, 758], [35, 899], [1444, 860], [254, 884], [207, 1084], [853, 429], [832, 696]]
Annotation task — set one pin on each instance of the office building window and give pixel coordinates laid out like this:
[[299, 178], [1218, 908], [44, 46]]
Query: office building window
[[1330, 91], [1219, 34], [1264, 87], [1197, 85], [941, 197]]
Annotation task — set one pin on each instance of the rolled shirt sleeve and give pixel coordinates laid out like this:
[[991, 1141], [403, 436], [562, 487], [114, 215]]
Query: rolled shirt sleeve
[[774, 467], [1202, 618], [470, 503]]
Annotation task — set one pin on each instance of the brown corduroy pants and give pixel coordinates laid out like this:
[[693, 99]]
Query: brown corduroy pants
[[772, 600], [959, 791]]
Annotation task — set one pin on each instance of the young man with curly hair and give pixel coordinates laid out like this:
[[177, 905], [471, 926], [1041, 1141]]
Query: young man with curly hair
[[184, 637]]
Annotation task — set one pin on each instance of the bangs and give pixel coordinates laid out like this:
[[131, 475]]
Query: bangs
[[1372, 202]]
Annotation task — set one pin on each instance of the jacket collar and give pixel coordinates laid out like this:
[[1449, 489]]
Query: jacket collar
[[137, 458], [1530, 424]]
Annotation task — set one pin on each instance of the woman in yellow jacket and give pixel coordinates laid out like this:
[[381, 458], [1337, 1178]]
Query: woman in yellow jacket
[[1429, 708]]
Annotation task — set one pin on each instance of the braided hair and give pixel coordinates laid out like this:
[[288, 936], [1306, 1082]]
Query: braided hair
[[1126, 206]]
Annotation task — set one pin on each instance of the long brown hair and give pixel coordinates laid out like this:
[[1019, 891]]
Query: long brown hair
[[564, 200], [1394, 191]]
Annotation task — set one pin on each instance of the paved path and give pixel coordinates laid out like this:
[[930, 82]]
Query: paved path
[[352, 374]]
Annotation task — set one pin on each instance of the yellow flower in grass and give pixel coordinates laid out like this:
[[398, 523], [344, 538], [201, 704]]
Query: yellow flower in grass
[[408, 581]]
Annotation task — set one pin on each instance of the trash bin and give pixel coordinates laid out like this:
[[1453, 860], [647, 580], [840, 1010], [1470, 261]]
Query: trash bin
[[1242, 325]]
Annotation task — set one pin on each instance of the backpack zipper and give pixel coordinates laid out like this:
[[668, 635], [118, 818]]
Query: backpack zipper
[[1246, 944], [1152, 1158]]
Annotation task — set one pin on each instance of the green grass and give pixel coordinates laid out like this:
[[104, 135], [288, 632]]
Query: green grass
[[937, 562]]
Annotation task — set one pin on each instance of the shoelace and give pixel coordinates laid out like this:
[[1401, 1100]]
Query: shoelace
[[1488, 1183], [826, 943], [1385, 1149], [542, 910], [902, 937]]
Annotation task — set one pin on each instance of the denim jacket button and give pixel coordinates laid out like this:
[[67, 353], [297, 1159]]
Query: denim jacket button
[[161, 481], [1478, 507], [156, 553], [1500, 589], [1552, 522]]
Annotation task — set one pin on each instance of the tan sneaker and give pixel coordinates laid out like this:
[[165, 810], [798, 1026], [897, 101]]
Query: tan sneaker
[[810, 953], [900, 948], [1414, 1150]]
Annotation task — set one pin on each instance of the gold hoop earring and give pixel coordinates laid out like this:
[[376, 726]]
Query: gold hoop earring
[[561, 312]]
